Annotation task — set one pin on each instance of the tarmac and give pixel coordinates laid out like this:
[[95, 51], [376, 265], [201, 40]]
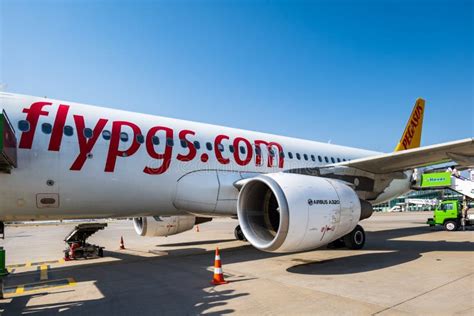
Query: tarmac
[[406, 268]]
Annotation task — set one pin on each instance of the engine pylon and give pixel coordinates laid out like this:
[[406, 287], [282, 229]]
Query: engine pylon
[[218, 278]]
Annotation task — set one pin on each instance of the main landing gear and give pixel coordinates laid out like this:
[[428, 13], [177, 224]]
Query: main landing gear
[[239, 235], [355, 240]]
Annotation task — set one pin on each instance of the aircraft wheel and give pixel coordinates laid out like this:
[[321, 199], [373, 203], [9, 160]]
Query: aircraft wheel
[[336, 244], [355, 239], [239, 235], [451, 226]]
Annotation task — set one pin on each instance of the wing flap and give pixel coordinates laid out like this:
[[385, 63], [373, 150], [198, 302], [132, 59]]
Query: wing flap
[[414, 158]]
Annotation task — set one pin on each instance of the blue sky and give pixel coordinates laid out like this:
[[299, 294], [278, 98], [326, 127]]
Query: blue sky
[[341, 71]]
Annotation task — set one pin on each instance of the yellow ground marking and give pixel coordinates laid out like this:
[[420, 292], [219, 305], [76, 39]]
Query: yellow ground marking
[[20, 289], [72, 282], [40, 287], [44, 272], [31, 264]]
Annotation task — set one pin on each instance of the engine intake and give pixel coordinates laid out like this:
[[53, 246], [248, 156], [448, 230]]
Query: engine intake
[[284, 212]]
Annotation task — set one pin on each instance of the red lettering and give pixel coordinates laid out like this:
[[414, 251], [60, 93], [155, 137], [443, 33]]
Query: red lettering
[[217, 151], [85, 145], [58, 127], [114, 151], [166, 156], [249, 151], [271, 153], [192, 149], [32, 116]]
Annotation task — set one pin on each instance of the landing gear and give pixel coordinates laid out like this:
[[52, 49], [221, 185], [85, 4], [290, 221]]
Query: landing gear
[[239, 235], [355, 239]]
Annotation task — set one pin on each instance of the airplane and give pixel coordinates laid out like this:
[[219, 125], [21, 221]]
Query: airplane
[[64, 160]]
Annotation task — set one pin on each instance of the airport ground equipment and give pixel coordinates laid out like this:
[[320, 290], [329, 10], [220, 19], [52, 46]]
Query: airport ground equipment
[[449, 214], [218, 277], [77, 245], [8, 144], [444, 180], [3, 269]]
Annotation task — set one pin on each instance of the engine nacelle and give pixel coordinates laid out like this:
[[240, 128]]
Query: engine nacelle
[[283, 212], [154, 226]]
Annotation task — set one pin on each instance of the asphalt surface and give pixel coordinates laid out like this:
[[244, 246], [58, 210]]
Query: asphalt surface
[[406, 268]]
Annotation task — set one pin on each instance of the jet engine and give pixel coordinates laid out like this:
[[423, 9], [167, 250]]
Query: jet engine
[[154, 226], [284, 212]]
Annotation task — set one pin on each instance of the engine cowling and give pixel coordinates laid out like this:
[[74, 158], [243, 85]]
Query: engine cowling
[[154, 226], [283, 212]]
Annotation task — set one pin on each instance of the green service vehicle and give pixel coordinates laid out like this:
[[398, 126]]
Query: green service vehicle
[[448, 213]]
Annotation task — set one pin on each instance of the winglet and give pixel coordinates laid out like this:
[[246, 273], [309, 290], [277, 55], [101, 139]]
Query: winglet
[[411, 137]]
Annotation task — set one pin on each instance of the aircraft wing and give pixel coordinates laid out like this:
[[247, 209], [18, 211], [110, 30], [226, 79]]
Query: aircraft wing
[[460, 151]]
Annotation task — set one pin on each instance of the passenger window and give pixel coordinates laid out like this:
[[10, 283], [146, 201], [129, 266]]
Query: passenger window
[[313, 158], [332, 159], [220, 147], [197, 145], [88, 133], [298, 156], [106, 135], [282, 154], [140, 139], [271, 152], [258, 151], [24, 126], [338, 159], [209, 146], [231, 148], [320, 159], [242, 149], [290, 155], [68, 130], [305, 157], [343, 159], [184, 143], [124, 137], [326, 159], [169, 142], [155, 140], [46, 128]]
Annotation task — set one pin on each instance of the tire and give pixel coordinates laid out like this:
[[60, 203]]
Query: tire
[[451, 226], [336, 244], [355, 240], [239, 235]]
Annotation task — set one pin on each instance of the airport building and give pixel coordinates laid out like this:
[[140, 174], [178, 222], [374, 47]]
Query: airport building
[[417, 201]]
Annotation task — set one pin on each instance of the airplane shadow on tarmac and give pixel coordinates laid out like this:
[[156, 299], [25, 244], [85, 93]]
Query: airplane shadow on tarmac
[[392, 252], [179, 283]]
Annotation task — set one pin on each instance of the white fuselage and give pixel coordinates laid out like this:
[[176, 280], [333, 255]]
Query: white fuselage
[[88, 175]]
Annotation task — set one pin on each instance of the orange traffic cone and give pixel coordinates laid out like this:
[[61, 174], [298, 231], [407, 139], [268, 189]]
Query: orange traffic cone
[[218, 275], [122, 245]]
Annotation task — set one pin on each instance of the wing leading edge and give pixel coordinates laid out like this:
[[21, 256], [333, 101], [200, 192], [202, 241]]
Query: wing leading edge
[[461, 151]]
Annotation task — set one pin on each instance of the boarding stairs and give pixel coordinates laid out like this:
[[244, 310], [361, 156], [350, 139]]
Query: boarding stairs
[[445, 180]]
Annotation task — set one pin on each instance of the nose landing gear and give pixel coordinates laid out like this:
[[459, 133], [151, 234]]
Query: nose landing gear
[[239, 235]]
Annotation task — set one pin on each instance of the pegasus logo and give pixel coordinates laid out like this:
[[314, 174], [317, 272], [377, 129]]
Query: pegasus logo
[[412, 135]]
